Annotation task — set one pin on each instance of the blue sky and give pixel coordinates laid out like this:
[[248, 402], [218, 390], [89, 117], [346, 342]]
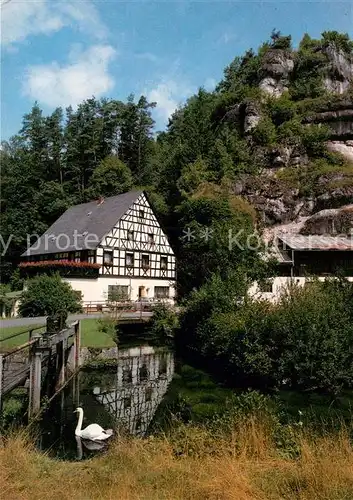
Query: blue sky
[[60, 52]]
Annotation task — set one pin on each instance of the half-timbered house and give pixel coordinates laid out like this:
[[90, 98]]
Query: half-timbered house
[[113, 246]]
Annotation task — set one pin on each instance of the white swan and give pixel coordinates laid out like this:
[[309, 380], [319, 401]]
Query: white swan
[[93, 432]]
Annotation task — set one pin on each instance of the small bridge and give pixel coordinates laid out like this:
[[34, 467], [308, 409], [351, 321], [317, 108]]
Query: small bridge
[[42, 359]]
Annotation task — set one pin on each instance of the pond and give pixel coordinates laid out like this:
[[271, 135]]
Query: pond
[[125, 397]]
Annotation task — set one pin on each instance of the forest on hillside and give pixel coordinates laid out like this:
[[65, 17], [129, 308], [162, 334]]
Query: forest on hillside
[[192, 171]]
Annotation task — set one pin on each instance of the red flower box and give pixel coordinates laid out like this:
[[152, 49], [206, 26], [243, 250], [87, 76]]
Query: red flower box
[[60, 263]]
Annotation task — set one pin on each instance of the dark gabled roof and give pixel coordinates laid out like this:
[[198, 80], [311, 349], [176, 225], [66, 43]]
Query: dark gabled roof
[[91, 218]]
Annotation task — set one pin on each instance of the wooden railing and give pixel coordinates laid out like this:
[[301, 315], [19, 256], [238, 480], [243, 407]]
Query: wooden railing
[[95, 306], [25, 361]]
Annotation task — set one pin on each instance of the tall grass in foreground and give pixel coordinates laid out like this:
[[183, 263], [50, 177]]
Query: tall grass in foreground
[[192, 464]]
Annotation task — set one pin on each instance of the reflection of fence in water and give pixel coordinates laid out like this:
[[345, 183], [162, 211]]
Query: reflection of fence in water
[[143, 376]]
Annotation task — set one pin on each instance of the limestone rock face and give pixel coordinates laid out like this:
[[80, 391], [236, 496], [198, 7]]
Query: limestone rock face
[[287, 156], [246, 115], [339, 120], [273, 199], [277, 65], [345, 148], [339, 73], [252, 116], [332, 221]]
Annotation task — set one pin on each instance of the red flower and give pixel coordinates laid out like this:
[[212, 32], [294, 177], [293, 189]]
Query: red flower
[[60, 263]]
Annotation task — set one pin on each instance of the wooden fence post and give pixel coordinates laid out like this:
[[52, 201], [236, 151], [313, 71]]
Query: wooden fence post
[[1, 378], [77, 345], [35, 379]]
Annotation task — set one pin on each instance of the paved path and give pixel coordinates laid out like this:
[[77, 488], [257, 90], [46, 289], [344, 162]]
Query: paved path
[[40, 320]]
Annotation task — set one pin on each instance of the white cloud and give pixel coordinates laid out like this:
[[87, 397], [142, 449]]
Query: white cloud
[[21, 19], [168, 95], [85, 75]]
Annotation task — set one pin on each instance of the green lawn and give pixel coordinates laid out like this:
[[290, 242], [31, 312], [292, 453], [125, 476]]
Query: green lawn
[[90, 335], [12, 330]]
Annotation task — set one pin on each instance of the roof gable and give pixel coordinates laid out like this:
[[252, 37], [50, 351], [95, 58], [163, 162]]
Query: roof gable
[[83, 226]]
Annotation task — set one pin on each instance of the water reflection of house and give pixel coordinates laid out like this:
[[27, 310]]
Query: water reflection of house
[[142, 379]]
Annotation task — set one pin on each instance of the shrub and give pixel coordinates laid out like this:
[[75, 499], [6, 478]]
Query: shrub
[[164, 322], [108, 325], [48, 295], [340, 41], [304, 340], [265, 132], [281, 109]]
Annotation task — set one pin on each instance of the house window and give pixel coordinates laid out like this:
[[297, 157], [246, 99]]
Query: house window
[[141, 214], [127, 375], [130, 235], [161, 292], [143, 373], [77, 256], [127, 402], [129, 260], [148, 393], [162, 366], [108, 257], [91, 256], [145, 261], [118, 292], [151, 239], [164, 263]]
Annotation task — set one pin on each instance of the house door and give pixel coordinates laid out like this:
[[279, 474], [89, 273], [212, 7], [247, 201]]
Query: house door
[[142, 292]]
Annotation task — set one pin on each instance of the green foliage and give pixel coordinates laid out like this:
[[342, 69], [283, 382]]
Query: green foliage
[[340, 41], [278, 41], [307, 77], [264, 133], [281, 109], [213, 219], [164, 322], [108, 325], [47, 295], [242, 72], [303, 341], [192, 175], [313, 139], [5, 300], [110, 178]]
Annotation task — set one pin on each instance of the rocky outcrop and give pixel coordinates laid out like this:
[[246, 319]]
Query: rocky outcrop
[[274, 200], [339, 120], [339, 71], [287, 156], [345, 148], [245, 115], [278, 64], [331, 221], [276, 67]]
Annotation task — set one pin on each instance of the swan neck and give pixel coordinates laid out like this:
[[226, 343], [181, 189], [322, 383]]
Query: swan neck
[[79, 423]]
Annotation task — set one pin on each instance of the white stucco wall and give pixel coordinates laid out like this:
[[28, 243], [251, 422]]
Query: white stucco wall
[[96, 290], [279, 284]]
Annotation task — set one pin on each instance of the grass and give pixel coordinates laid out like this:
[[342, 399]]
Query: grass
[[16, 341], [243, 465], [90, 335]]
